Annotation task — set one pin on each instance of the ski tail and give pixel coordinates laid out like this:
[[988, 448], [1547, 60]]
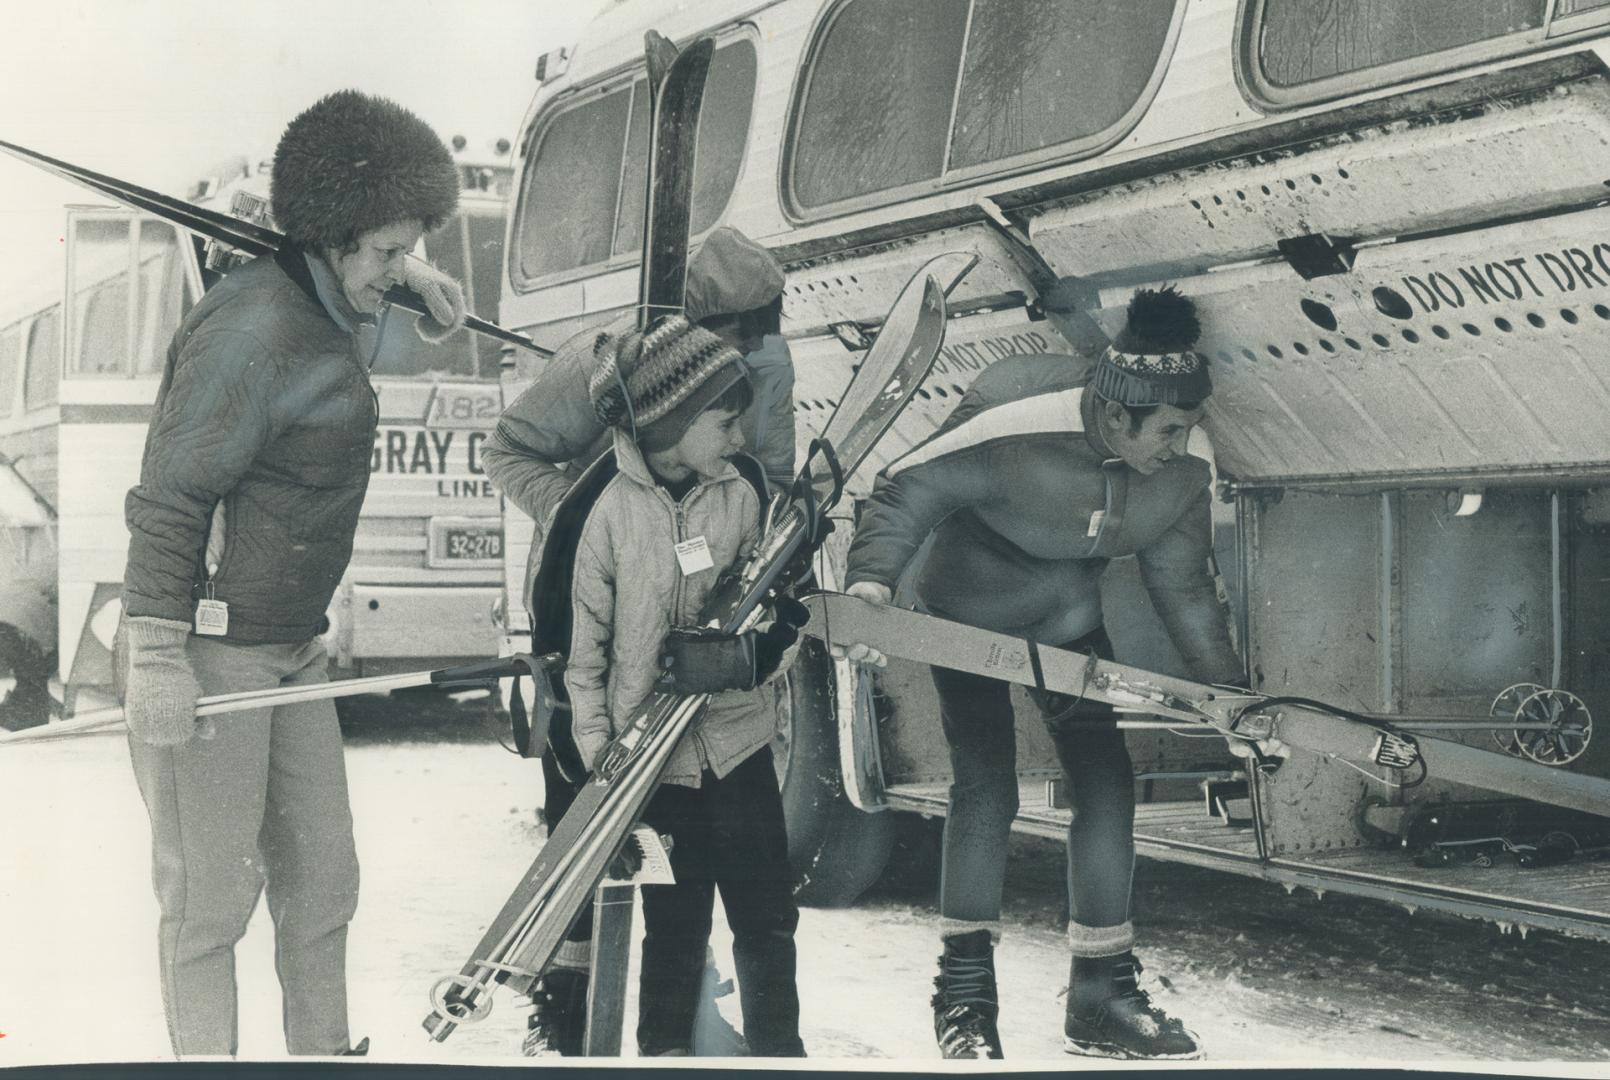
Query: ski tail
[[900, 358], [246, 236], [250, 238], [674, 140]]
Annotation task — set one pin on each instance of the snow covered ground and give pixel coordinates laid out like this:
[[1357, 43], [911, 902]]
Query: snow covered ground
[[445, 826]]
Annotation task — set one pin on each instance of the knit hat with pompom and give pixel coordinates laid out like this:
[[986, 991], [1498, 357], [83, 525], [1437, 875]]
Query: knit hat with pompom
[[656, 383], [1153, 360]]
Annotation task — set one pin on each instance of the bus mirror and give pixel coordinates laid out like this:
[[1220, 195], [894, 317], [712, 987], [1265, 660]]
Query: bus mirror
[[551, 65]]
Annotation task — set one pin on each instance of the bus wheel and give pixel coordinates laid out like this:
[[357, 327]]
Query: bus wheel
[[836, 850], [28, 702]]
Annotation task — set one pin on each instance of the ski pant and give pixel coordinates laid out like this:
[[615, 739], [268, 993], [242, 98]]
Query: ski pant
[[263, 800], [727, 834], [977, 716]]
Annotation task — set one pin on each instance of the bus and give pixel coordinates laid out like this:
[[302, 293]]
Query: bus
[[78, 379], [1389, 217]]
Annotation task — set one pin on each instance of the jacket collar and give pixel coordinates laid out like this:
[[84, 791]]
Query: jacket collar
[[629, 459], [319, 283], [1092, 425]]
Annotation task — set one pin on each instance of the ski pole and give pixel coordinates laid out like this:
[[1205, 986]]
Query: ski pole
[[242, 700]]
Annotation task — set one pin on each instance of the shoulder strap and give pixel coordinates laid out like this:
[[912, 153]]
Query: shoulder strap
[[751, 470], [551, 617], [550, 592]]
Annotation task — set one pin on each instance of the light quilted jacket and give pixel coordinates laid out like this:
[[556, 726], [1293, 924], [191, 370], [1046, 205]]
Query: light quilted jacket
[[628, 590]]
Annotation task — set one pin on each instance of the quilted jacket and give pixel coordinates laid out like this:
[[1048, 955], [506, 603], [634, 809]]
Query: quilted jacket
[[628, 590], [264, 425], [1026, 509]]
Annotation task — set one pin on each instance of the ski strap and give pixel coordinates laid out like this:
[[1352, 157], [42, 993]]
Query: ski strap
[[1034, 665], [530, 731]]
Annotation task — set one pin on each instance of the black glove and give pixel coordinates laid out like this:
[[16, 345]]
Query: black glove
[[627, 861], [699, 660]]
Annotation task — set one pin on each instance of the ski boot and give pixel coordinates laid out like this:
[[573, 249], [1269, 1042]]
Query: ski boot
[[965, 1002], [1110, 1016], [558, 1021]]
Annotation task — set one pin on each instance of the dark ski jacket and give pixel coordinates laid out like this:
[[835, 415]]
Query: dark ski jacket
[[1010, 487], [264, 425]]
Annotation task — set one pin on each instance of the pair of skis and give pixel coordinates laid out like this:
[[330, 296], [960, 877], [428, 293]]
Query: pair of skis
[[1384, 742], [245, 236]]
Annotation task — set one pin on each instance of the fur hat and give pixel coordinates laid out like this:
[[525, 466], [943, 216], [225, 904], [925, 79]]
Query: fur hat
[[656, 383], [1153, 361], [351, 163], [731, 273]]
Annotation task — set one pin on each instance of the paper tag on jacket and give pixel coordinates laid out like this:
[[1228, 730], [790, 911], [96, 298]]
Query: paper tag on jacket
[[212, 618], [1095, 522], [694, 555]]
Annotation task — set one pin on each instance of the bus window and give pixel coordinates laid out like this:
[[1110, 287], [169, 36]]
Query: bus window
[[568, 206], [163, 296], [1023, 60], [723, 132], [629, 215], [404, 353], [486, 269], [563, 224], [103, 329], [1305, 49], [1568, 8], [882, 75], [40, 369], [444, 249], [10, 342], [942, 86], [100, 283]]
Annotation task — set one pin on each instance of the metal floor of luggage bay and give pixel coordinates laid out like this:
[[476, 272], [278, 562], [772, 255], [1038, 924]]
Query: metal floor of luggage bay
[[1573, 897]]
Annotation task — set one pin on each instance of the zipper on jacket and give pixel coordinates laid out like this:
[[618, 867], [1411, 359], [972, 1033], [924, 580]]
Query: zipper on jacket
[[700, 749]]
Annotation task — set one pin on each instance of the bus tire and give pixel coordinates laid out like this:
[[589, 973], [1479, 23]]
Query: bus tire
[[836, 851]]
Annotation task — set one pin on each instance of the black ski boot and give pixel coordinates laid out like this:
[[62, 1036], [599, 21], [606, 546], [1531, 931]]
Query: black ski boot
[[1110, 1016], [558, 1021], [965, 1002]]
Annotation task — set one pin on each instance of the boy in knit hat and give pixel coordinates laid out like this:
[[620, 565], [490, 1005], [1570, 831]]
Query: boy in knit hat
[[647, 535], [1096, 469], [550, 434]]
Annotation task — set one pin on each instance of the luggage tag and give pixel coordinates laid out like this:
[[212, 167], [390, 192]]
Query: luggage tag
[[694, 555], [212, 614], [1096, 518]]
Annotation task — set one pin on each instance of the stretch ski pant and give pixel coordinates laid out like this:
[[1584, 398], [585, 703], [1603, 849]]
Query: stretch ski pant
[[727, 834], [264, 800], [978, 721]]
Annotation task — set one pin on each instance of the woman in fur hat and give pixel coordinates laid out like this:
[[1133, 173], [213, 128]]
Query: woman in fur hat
[[241, 526]]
